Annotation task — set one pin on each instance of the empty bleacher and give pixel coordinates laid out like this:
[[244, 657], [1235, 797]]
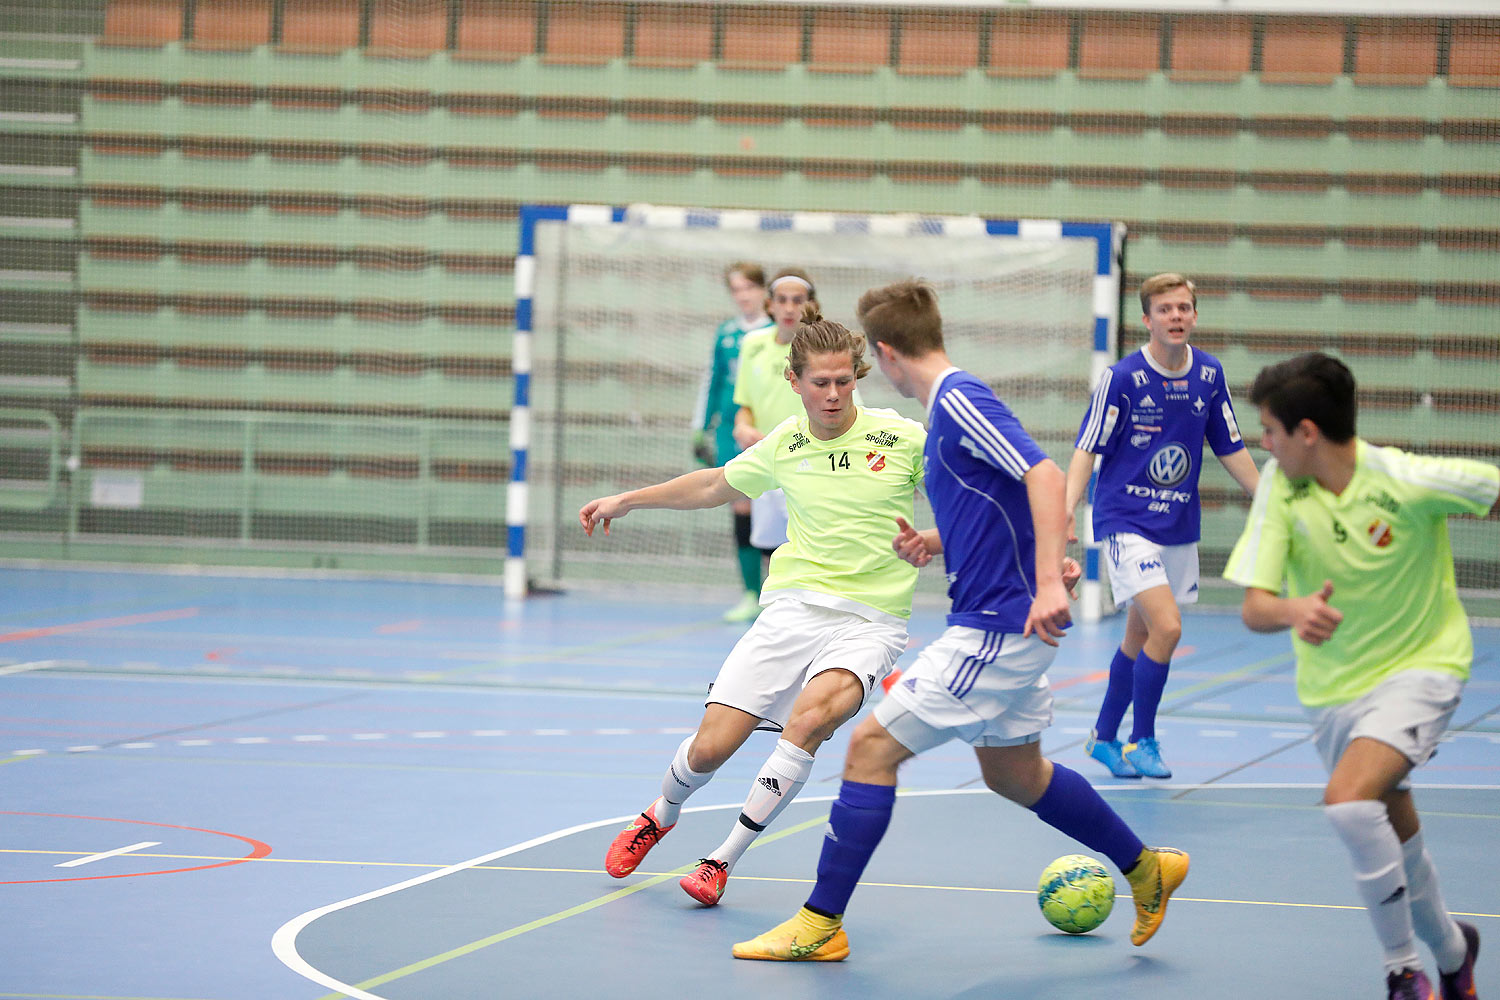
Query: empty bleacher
[[307, 208]]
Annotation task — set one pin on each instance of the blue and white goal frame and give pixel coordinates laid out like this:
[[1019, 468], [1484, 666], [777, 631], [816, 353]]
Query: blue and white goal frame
[[1109, 248]]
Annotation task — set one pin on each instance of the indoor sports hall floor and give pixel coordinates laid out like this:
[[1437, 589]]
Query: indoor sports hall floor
[[255, 788]]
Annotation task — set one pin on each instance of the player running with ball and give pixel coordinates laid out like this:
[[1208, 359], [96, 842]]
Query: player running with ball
[[997, 500], [837, 597]]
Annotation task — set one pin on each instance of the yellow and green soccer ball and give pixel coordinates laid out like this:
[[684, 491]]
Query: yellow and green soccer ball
[[1076, 893]]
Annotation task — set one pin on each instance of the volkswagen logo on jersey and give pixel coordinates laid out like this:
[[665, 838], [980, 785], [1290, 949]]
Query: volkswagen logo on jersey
[[1170, 466]]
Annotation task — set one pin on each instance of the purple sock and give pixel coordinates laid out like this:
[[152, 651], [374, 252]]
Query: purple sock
[[856, 823], [1116, 696], [1150, 682], [1072, 805]]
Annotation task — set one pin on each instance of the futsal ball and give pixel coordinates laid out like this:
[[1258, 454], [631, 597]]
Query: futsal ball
[[1076, 893]]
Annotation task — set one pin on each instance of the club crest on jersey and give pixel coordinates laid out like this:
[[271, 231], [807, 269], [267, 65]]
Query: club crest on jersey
[[1198, 405], [1170, 465], [1380, 533], [875, 460]]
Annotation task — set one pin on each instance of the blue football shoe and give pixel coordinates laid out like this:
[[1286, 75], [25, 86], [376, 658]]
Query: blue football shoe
[[1109, 753], [1145, 756]]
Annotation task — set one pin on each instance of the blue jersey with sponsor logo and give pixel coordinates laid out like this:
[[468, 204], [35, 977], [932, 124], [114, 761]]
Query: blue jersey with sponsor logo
[[976, 455], [1149, 425]]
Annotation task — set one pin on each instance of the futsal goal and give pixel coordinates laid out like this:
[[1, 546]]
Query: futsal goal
[[614, 319]]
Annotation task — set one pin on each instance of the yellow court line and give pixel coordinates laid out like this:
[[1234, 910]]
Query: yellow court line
[[658, 877], [572, 911], [1231, 675]]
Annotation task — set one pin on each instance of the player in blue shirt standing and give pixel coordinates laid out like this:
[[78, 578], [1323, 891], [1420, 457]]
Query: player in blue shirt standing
[[996, 498], [1148, 419]]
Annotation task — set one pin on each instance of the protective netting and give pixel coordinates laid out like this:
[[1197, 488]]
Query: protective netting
[[623, 323], [255, 255]]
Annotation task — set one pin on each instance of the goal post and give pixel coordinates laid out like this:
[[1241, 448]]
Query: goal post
[[615, 310]]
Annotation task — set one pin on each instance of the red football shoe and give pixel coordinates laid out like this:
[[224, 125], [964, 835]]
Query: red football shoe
[[632, 844], [706, 882]]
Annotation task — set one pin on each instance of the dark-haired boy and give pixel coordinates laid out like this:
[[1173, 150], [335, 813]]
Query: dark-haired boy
[[1359, 536]]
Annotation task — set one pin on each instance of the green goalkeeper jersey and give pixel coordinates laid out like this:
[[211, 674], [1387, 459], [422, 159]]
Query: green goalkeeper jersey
[[1383, 542], [842, 498]]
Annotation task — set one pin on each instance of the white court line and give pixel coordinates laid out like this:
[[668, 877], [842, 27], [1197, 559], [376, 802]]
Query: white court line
[[284, 941], [108, 854], [21, 668]]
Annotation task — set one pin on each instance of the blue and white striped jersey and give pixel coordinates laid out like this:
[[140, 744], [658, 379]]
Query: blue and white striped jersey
[[1149, 425], [976, 455]]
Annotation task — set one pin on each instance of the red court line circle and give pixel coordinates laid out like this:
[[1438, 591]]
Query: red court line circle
[[258, 849]]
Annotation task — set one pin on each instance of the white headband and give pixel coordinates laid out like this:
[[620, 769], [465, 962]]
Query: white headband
[[791, 277]]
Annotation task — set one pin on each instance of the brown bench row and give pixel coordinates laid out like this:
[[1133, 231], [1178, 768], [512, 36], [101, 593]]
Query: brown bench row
[[832, 38]]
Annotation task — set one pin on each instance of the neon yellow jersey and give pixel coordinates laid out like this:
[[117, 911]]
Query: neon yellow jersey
[[1383, 542], [842, 499], [761, 381]]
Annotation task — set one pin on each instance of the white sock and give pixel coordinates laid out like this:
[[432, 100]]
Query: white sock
[[1429, 914], [781, 777], [1365, 828], [677, 784]]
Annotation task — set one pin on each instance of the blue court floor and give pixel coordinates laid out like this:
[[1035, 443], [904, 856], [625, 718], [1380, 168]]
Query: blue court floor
[[257, 788]]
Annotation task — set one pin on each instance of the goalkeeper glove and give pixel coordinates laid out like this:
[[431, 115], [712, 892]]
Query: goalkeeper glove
[[702, 450]]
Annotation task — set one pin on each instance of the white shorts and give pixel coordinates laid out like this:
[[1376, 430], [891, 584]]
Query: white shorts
[[988, 689], [790, 644], [768, 519], [1136, 564], [1409, 711]]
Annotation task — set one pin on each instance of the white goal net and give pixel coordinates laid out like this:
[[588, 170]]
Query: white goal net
[[621, 314]]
